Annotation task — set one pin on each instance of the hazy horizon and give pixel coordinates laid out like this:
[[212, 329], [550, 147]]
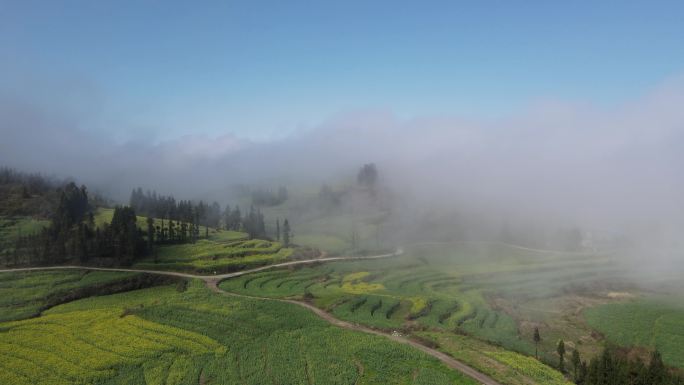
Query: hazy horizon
[[537, 118]]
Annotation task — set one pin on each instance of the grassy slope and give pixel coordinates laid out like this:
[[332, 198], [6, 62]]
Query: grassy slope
[[12, 227], [326, 231], [23, 295], [104, 215], [162, 336], [649, 322], [443, 288], [207, 256], [222, 251]]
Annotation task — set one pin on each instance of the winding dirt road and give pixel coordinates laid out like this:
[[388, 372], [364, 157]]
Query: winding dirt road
[[212, 282]]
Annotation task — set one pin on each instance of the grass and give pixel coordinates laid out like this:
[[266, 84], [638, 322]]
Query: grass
[[13, 227], [646, 322], [391, 294], [25, 295], [216, 255], [222, 251], [491, 292], [163, 336], [105, 215], [505, 366]]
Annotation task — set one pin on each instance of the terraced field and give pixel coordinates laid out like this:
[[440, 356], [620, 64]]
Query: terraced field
[[219, 254], [165, 336], [476, 302], [223, 251], [24, 295], [492, 292], [503, 365]]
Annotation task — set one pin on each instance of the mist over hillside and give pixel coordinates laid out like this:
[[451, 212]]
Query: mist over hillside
[[611, 168]]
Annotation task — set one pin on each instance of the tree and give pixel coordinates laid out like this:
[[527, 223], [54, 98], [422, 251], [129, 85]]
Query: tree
[[656, 372], [124, 233], [537, 340], [150, 234], [286, 233], [368, 175], [576, 362], [583, 371], [278, 230], [560, 349]]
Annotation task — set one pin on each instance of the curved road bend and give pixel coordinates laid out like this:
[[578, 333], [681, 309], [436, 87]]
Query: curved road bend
[[218, 277], [212, 282]]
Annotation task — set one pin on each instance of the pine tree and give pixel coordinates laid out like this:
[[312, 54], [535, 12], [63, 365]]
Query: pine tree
[[560, 349], [576, 362], [286, 233], [537, 340], [150, 234]]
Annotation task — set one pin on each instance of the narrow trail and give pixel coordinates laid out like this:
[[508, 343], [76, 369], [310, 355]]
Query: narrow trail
[[206, 277], [446, 359], [212, 282]]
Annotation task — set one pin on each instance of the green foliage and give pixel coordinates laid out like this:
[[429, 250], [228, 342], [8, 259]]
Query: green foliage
[[611, 368], [650, 322], [390, 294], [209, 256], [11, 228], [24, 295], [162, 336], [505, 366]]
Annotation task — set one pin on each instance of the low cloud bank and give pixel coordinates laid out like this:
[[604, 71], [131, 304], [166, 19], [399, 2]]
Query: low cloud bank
[[614, 167]]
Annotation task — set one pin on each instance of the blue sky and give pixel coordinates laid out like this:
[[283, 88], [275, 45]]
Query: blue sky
[[260, 69]]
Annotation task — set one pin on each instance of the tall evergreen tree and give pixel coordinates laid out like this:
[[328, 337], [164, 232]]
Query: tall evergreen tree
[[286, 233], [560, 349], [576, 362], [150, 234]]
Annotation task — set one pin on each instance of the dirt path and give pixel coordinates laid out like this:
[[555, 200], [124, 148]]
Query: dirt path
[[212, 282], [207, 277], [446, 359]]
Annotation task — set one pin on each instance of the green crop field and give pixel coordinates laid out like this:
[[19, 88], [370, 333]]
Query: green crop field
[[24, 295], [222, 251], [492, 292], [478, 302], [505, 366], [164, 335], [648, 322], [214, 255]]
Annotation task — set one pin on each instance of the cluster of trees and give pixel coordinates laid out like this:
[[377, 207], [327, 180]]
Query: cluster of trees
[[188, 216], [73, 234], [31, 184], [263, 197], [253, 223], [31, 194], [368, 175], [166, 207], [611, 368]]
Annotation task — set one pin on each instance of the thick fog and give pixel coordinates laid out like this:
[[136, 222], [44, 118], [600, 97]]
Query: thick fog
[[616, 168]]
